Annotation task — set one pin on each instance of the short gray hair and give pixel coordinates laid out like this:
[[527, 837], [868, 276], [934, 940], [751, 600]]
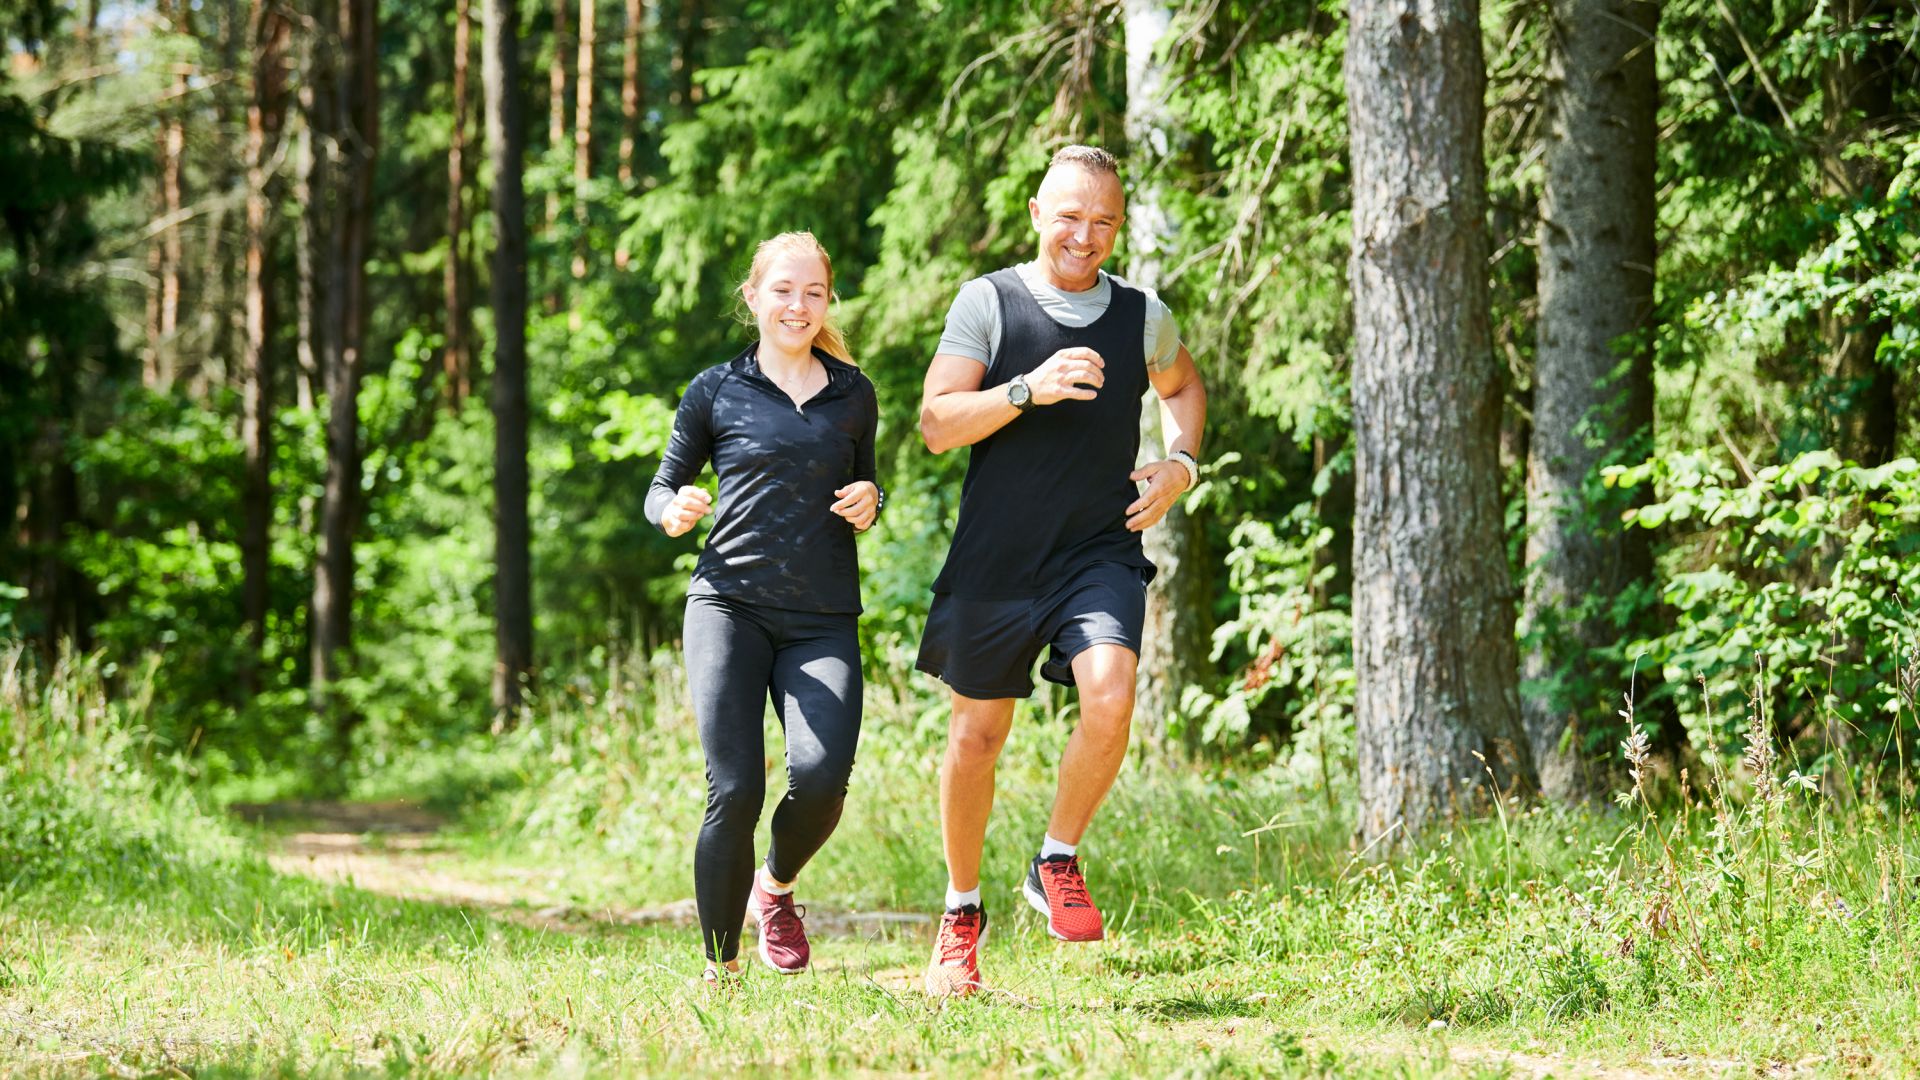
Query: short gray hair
[[1091, 158]]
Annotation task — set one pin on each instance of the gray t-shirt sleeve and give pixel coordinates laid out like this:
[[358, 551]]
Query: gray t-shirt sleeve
[[1162, 336], [973, 322]]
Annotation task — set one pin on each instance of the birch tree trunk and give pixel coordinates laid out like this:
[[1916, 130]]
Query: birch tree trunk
[[1593, 364], [1178, 631], [513, 606], [1434, 651]]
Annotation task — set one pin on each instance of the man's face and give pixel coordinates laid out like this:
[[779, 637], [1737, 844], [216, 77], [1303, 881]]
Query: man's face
[[1077, 214]]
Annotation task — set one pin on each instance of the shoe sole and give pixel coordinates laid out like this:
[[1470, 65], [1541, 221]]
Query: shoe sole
[[967, 990], [1038, 901], [768, 959]]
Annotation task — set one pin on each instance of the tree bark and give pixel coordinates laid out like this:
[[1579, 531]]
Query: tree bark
[[630, 104], [1593, 365], [165, 327], [1857, 94], [630, 95], [557, 99], [1178, 630], [1434, 651], [266, 113], [313, 194], [513, 607], [357, 111], [692, 35], [582, 137], [458, 362]]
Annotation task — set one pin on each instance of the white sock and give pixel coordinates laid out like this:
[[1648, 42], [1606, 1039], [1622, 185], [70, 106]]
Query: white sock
[[768, 885], [1051, 847], [957, 899]]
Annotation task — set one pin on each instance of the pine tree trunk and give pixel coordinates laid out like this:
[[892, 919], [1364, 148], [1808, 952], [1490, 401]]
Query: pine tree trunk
[[1178, 631], [1434, 651], [312, 195], [1857, 92], [688, 42], [172, 153], [458, 362], [266, 113], [557, 98], [1593, 365], [630, 98], [630, 101], [347, 302], [582, 138], [513, 608]]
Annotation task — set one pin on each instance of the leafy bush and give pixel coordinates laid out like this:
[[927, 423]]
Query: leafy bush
[[1795, 592]]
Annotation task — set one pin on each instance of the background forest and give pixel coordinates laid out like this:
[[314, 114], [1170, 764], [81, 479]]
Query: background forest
[[339, 340]]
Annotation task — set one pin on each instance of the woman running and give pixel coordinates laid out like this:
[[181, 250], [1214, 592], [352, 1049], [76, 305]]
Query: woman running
[[789, 427]]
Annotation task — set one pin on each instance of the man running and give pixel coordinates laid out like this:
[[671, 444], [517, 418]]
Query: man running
[[1041, 370]]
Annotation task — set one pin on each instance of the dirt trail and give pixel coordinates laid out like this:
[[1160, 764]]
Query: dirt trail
[[390, 849]]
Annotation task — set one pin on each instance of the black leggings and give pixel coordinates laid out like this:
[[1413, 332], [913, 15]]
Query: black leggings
[[738, 655]]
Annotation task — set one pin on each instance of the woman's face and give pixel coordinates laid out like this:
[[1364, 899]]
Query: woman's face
[[790, 301]]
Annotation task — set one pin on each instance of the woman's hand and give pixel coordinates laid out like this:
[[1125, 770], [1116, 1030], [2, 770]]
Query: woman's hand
[[689, 505], [859, 503]]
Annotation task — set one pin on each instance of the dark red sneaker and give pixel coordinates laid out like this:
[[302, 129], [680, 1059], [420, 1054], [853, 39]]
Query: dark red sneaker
[[1055, 889], [783, 937], [955, 968]]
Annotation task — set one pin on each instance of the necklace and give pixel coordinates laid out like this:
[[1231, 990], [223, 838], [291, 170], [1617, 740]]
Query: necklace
[[800, 387]]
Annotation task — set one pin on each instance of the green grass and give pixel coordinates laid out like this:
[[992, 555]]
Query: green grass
[[1746, 931]]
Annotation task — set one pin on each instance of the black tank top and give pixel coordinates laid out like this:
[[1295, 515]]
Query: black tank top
[[1047, 495]]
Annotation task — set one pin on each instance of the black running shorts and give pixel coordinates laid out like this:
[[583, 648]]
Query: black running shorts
[[985, 649]]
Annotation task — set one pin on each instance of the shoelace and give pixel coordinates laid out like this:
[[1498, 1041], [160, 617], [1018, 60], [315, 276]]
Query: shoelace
[[1068, 882], [957, 936], [785, 917]]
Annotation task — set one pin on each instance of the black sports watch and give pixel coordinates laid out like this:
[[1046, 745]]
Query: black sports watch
[[1019, 394]]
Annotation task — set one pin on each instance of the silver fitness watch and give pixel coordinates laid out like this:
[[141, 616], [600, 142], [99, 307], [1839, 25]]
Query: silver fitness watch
[[1019, 394]]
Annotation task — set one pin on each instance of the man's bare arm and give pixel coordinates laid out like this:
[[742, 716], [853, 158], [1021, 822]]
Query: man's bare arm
[[955, 411], [1183, 419]]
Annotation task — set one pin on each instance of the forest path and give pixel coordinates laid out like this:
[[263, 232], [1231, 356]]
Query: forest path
[[393, 849]]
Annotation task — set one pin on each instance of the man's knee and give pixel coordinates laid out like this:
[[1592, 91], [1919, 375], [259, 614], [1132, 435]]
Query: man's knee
[[977, 733], [1106, 697]]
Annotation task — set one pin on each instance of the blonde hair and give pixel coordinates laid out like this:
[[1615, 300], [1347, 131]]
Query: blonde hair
[[830, 339]]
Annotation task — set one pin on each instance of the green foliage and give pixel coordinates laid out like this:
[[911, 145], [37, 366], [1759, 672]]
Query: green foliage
[[1296, 699], [1791, 594], [90, 803]]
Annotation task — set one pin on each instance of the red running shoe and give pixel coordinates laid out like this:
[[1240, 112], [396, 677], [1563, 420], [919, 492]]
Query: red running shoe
[[783, 938], [955, 968], [1055, 889]]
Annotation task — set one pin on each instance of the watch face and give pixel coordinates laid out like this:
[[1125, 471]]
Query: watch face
[[1018, 393]]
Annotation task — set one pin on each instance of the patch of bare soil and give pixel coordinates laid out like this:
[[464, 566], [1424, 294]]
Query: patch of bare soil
[[388, 848]]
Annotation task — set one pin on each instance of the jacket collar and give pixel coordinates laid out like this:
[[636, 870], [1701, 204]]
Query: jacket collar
[[839, 372]]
